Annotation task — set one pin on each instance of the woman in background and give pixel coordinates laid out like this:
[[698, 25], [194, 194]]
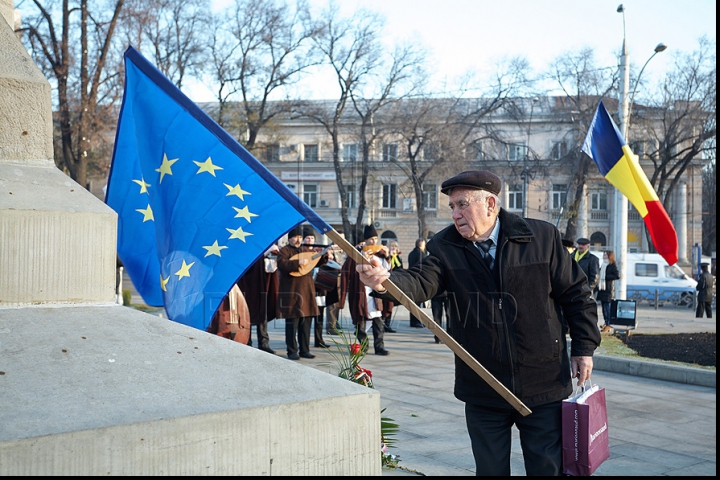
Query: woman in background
[[606, 285], [395, 262]]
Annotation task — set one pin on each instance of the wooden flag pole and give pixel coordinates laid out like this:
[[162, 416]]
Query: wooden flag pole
[[434, 327]]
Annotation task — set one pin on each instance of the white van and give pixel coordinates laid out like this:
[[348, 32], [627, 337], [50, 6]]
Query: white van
[[648, 275]]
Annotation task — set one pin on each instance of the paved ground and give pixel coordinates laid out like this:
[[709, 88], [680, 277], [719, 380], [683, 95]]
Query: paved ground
[[656, 427]]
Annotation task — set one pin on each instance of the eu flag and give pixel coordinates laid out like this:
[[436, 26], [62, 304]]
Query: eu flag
[[195, 209], [619, 166]]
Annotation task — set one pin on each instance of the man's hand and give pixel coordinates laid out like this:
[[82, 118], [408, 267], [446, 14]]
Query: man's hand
[[373, 275], [581, 368]]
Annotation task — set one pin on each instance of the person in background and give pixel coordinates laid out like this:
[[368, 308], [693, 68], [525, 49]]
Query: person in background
[[510, 278], [323, 300], [415, 256], [259, 285], [395, 261], [606, 285], [296, 296], [569, 246], [705, 292], [364, 308], [588, 262]]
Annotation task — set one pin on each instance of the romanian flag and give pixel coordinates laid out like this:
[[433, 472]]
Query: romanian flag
[[605, 145]]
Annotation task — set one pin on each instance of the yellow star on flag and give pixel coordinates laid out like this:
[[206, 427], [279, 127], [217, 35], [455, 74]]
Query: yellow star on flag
[[164, 282], [207, 166], [239, 233], [143, 186], [214, 249], [244, 213], [237, 191], [184, 270], [147, 213], [166, 167]]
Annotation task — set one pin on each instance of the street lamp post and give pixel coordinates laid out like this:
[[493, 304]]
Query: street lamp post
[[624, 111], [526, 170]]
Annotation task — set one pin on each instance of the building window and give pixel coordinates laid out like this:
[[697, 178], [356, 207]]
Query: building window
[[389, 196], [598, 201], [559, 194], [474, 152], [311, 153], [390, 152], [559, 150], [516, 151], [431, 152], [310, 194], [515, 197], [272, 153], [349, 152], [430, 196], [350, 196]]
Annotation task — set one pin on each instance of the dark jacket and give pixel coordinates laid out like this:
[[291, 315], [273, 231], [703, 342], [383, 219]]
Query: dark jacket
[[510, 321], [415, 256], [296, 295], [260, 290], [705, 287], [591, 267], [611, 274], [354, 290]]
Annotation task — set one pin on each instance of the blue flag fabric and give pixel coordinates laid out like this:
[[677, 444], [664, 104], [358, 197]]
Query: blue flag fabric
[[195, 209]]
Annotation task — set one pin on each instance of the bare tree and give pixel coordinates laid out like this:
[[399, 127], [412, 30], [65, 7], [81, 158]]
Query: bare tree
[[352, 50], [170, 33], [268, 49], [678, 129], [72, 42], [584, 83]]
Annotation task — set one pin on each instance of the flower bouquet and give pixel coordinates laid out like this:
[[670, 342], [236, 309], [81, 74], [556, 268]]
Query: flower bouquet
[[348, 356]]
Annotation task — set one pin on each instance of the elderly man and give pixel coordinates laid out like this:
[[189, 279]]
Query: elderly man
[[515, 294]]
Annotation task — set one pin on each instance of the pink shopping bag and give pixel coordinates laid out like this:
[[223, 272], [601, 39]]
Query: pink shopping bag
[[585, 439]]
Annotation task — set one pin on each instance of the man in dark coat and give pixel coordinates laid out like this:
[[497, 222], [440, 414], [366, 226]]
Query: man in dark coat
[[363, 307], [259, 284], [588, 262], [296, 296], [515, 294], [705, 292], [417, 254]]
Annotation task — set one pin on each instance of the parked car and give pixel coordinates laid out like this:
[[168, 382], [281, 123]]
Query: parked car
[[649, 277]]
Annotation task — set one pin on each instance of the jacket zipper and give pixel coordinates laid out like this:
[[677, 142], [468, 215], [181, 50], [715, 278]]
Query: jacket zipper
[[505, 326]]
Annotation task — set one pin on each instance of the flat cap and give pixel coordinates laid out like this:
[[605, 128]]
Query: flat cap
[[475, 179], [704, 264], [583, 241]]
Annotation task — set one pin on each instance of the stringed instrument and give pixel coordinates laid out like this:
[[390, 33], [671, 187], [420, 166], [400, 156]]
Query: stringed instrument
[[312, 257]]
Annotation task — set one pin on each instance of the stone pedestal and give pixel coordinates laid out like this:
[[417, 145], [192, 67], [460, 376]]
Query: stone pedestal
[[88, 387]]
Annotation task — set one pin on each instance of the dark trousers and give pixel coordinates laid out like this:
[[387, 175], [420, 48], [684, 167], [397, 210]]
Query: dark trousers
[[414, 322], [703, 306], [606, 310], [318, 325], [377, 330], [299, 327], [439, 304], [262, 334], [490, 430]]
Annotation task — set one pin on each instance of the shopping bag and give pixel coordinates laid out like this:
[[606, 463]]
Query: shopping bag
[[585, 440]]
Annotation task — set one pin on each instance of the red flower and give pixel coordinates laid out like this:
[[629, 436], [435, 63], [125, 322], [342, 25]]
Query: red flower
[[355, 348], [365, 370]]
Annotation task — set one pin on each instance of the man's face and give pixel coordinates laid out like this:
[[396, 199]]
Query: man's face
[[473, 218], [371, 241], [295, 241], [583, 247], [309, 240]]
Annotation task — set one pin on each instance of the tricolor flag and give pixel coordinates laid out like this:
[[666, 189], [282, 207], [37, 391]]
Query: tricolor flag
[[195, 209], [604, 144]]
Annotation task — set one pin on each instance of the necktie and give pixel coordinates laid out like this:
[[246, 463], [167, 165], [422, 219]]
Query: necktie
[[485, 246]]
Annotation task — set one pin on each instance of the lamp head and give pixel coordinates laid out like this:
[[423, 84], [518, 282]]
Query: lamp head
[[620, 8], [661, 47]]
